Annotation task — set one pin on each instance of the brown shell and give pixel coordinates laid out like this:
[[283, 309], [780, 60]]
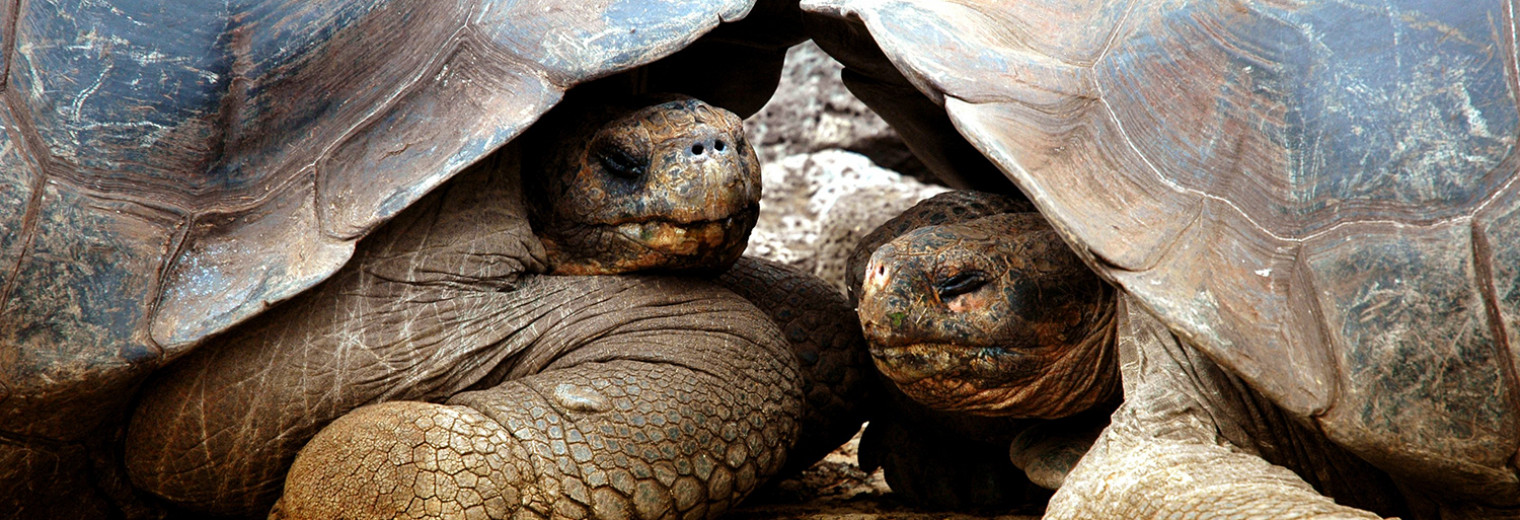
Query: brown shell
[[1321, 196], [167, 173]]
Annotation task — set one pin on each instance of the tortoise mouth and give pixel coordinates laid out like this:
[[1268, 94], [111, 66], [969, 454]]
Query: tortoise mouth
[[655, 244], [1000, 381], [987, 366], [983, 380], [692, 238]]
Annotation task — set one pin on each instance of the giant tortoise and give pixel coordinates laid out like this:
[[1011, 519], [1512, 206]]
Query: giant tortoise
[[174, 175], [1313, 210]]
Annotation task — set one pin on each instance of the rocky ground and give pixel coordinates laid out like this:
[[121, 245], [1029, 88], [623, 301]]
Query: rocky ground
[[824, 187]]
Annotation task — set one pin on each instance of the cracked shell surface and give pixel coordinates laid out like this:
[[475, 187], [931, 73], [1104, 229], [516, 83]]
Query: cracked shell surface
[[166, 174], [1321, 196], [170, 173]]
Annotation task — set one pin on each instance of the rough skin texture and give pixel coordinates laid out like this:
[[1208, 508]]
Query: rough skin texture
[[1175, 449], [825, 334], [996, 342], [605, 439], [654, 396]]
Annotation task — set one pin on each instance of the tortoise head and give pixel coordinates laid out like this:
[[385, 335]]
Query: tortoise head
[[667, 184], [994, 316]]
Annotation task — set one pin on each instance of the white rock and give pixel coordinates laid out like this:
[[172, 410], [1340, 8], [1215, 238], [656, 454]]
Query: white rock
[[816, 206]]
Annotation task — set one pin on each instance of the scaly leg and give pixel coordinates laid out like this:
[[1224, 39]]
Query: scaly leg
[[1174, 449], [678, 414], [838, 381]]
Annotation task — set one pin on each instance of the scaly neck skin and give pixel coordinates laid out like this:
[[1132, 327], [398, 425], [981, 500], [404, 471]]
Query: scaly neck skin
[[472, 231]]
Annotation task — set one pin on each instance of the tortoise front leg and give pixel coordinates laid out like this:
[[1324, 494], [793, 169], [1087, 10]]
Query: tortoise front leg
[[1127, 477], [1187, 443], [838, 381], [678, 413]]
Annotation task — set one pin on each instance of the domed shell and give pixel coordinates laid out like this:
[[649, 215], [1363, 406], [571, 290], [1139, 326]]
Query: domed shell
[[167, 171], [1321, 196]]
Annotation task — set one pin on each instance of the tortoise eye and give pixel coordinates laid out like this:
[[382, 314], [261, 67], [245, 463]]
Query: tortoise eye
[[962, 283], [619, 162]]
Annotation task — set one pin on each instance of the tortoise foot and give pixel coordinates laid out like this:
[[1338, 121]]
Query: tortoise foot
[[622, 439], [408, 459]]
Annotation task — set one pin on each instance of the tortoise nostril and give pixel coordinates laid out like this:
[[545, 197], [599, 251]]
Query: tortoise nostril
[[718, 145], [696, 149]]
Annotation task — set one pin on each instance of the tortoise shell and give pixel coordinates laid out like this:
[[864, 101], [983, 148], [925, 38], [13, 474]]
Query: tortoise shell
[[1320, 196], [169, 171]]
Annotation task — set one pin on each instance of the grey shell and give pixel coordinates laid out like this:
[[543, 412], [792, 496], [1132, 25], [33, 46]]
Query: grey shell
[[169, 169], [1321, 196]]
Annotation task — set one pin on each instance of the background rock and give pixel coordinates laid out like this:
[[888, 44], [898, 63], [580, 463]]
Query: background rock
[[812, 111], [816, 206], [824, 184]]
